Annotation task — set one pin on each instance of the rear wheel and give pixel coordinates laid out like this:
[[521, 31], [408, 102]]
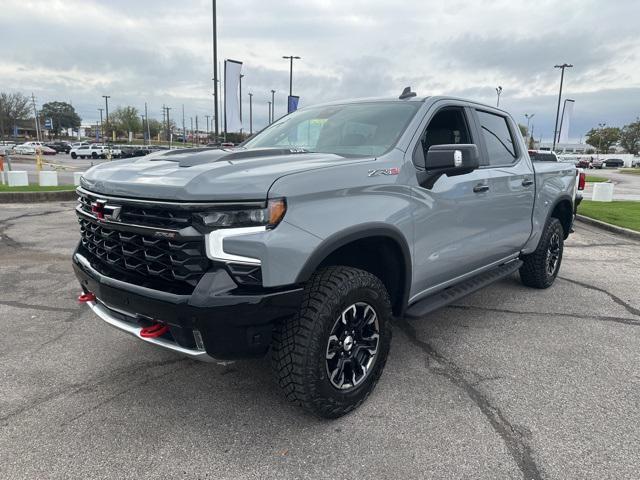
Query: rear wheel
[[94, 155], [74, 156], [329, 357], [541, 267]]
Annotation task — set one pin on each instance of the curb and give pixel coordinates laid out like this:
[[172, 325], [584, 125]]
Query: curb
[[38, 197], [608, 227]]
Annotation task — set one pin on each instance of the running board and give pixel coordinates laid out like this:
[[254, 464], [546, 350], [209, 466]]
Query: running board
[[460, 290]]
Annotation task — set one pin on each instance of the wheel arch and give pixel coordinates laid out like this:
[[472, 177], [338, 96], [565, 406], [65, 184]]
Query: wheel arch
[[562, 209], [378, 248]]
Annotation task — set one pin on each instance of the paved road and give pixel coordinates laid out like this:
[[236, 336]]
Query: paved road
[[508, 383], [626, 186]]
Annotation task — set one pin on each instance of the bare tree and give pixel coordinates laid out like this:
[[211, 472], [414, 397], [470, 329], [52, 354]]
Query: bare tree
[[13, 107]]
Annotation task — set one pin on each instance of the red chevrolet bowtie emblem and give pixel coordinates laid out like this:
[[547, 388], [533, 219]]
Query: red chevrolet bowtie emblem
[[97, 208]]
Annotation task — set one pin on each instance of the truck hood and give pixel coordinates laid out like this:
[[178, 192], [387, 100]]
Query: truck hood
[[204, 174]]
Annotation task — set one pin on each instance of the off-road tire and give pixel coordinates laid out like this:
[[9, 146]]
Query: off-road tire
[[299, 347], [534, 272]]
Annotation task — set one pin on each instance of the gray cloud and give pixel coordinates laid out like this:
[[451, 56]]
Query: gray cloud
[[160, 52]]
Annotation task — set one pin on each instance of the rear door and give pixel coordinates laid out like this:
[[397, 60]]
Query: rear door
[[511, 183]]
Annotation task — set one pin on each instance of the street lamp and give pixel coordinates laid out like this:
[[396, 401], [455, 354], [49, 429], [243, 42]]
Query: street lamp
[[291, 58], [250, 113], [499, 92], [273, 106], [601, 125], [555, 129], [101, 127], [215, 67], [269, 113], [106, 106], [529, 117]]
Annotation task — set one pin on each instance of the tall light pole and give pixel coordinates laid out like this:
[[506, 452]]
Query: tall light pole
[[148, 127], [291, 58], [184, 132], [207, 117], [555, 129], [529, 117], [106, 106], [601, 125], [269, 113], [499, 92], [215, 67], [250, 113], [100, 110], [241, 77], [273, 106]]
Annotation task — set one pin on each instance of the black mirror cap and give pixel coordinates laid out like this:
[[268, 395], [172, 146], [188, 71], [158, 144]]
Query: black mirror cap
[[463, 157]]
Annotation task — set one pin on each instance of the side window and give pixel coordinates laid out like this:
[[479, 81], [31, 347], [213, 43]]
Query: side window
[[448, 126], [497, 137]]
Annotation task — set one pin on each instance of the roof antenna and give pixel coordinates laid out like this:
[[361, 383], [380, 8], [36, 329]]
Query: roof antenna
[[407, 93]]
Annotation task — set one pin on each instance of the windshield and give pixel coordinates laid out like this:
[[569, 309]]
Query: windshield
[[356, 129]]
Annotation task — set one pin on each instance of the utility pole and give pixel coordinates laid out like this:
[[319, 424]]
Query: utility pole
[[101, 125], [555, 129], [291, 58], [529, 117], [146, 115], [207, 117], [250, 113], [241, 77], [499, 92], [184, 132], [197, 135], [273, 106], [144, 142], [106, 106], [168, 126], [601, 126], [191, 131], [35, 116], [215, 67]]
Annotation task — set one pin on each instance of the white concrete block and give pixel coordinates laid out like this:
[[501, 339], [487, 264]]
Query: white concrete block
[[18, 178], [76, 177], [48, 178], [602, 192]]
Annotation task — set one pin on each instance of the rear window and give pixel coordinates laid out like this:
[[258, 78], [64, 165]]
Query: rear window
[[542, 157], [497, 137]]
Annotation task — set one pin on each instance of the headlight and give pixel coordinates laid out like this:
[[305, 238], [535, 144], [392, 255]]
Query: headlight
[[254, 217]]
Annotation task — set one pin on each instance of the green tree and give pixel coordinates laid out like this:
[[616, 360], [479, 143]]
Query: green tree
[[155, 128], [62, 115], [523, 130], [13, 107], [630, 137], [603, 138], [125, 120]]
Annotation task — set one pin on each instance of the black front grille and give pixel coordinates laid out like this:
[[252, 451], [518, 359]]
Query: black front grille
[[160, 263]]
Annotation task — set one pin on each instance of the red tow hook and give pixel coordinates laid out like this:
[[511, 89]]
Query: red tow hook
[[87, 297], [154, 331]]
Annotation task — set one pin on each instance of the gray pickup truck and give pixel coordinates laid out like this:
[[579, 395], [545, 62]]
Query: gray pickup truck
[[307, 239]]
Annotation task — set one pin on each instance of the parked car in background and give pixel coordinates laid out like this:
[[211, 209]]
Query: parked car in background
[[60, 147], [31, 148], [596, 163], [543, 156], [79, 144], [614, 162], [584, 162], [635, 163]]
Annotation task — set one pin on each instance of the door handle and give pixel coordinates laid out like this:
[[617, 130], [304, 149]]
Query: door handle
[[481, 188], [527, 182]]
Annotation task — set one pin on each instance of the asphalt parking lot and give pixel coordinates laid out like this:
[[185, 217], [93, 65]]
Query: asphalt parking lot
[[508, 383]]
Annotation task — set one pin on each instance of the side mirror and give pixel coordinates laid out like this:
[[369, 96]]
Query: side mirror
[[454, 159], [450, 160]]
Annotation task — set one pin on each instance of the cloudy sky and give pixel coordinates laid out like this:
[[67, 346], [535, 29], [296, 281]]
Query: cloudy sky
[[160, 52]]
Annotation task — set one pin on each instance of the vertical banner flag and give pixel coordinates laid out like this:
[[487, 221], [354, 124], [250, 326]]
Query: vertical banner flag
[[292, 103], [565, 123], [232, 71]]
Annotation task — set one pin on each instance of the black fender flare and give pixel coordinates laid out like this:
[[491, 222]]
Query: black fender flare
[[359, 232]]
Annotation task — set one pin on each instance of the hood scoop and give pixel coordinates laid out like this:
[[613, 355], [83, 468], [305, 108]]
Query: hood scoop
[[197, 156]]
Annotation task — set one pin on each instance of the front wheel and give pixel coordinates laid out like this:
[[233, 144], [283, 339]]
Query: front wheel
[[541, 267], [329, 357], [74, 156]]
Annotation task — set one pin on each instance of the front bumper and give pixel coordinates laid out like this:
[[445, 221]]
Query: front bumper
[[213, 323]]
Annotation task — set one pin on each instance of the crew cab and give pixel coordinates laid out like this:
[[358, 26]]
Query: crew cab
[[304, 242]]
